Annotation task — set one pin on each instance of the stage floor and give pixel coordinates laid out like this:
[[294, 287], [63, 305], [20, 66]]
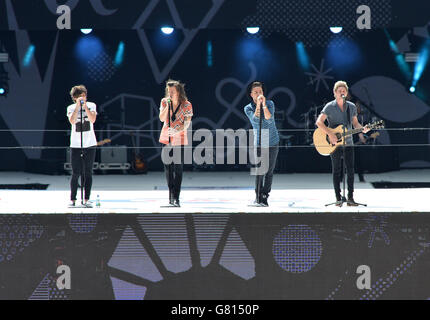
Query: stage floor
[[213, 192]]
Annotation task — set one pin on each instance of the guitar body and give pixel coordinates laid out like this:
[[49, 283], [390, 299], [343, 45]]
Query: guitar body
[[139, 165], [322, 141]]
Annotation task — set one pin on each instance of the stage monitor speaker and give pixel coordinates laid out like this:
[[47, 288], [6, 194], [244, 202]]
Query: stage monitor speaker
[[116, 154]]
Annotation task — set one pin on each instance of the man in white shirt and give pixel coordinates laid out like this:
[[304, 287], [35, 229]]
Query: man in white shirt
[[83, 138]]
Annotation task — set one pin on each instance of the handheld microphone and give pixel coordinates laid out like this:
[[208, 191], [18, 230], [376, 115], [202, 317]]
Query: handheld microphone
[[82, 102], [343, 97]]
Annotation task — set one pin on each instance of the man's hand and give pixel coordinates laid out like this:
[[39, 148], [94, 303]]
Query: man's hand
[[79, 103], [366, 129], [261, 100], [362, 138], [165, 102], [333, 138]]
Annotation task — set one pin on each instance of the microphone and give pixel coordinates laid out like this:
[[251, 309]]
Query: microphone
[[343, 97], [82, 102]]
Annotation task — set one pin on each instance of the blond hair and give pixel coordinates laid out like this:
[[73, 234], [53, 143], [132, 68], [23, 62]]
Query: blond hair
[[339, 84]]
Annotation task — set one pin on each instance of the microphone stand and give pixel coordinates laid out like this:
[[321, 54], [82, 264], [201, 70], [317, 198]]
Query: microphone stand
[[258, 178], [170, 166], [259, 154], [82, 158]]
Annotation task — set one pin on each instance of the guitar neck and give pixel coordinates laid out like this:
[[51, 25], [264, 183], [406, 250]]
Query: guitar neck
[[353, 131]]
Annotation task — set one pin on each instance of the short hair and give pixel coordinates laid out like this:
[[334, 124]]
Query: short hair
[[255, 84], [76, 91], [339, 84], [179, 86]]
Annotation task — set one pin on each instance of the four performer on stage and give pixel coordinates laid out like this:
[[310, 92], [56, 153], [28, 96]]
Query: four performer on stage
[[176, 113]]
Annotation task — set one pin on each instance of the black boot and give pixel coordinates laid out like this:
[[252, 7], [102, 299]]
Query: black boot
[[176, 203], [338, 202], [350, 202], [263, 199]]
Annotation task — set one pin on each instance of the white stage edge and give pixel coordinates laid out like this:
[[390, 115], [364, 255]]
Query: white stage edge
[[212, 192]]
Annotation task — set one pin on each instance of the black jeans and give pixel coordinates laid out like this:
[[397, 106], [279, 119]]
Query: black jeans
[[174, 174], [86, 168], [268, 177], [336, 165]]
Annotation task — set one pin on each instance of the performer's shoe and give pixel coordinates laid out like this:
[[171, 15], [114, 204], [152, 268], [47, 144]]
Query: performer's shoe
[[257, 204], [351, 202], [72, 204], [88, 204], [338, 202], [263, 200], [176, 203]]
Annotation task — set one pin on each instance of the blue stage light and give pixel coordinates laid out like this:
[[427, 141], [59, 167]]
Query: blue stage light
[[88, 46], [336, 29], [421, 63], [167, 30], [302, 56], [412, 89], [2, 91], [252, 30], [119, 56], [28, 56], [86, 30]]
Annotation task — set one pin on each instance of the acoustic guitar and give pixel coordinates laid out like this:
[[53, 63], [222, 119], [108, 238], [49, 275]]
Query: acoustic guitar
[[322, 140]]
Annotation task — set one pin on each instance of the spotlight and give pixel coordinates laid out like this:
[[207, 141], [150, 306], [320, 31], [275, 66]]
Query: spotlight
[[167, 30], [4, 81], [86, 30], [412, 89], [253, 30], [336, 29]]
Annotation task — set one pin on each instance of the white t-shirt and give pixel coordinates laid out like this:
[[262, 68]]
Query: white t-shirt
[[88, 135]]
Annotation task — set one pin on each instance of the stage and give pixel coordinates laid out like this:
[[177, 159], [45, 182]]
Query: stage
[[214, 246], [206, 192]]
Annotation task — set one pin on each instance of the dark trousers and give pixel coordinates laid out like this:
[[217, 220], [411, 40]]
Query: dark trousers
[[265, 181], [85, 170], [337, 164], [174, 175]]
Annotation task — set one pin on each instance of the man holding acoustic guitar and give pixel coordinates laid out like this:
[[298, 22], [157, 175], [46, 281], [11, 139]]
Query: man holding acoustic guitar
[[338, 113]]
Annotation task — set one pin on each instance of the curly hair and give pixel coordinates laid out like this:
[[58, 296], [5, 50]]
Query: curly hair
[[180, 87]]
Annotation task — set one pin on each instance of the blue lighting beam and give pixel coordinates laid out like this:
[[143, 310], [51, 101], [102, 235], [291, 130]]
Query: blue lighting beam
[[302, 56], [119, 56], [421, 63], [28, 56]]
